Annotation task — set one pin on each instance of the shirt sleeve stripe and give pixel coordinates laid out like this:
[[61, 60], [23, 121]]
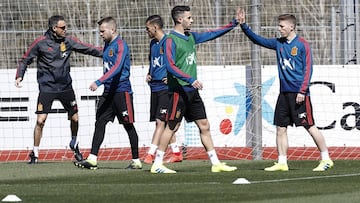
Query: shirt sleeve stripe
[[173, 68], [308, 64]]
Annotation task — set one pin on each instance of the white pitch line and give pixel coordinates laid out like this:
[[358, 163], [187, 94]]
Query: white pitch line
[[305, 178]]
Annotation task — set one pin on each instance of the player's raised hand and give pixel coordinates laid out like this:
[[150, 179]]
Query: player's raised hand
[[240, 15]]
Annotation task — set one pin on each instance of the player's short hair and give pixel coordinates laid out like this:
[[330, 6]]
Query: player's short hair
[[177, 11], [109, 20], [53, 20], [288, 17], [155, 19]]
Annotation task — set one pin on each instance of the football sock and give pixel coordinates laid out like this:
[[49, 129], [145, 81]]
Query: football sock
[[136, 161], [282, 159], [213, 157], [36, 151], [152, 149], [159, 157], [325, 155], [174, 147]]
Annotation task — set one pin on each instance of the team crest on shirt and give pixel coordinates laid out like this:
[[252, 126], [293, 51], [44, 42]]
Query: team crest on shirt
[[294, 51], [40, 107], [178, 113], [111, 53], [62, 47]]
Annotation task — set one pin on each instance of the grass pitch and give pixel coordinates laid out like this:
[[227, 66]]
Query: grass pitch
[[63, 182]]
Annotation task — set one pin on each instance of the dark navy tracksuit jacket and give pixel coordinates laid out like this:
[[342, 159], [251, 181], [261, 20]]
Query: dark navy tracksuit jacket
[[53, 60]]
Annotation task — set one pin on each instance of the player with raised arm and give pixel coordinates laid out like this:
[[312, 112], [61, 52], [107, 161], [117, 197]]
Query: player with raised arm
[[185, 100], [295, 66], [53, 51]]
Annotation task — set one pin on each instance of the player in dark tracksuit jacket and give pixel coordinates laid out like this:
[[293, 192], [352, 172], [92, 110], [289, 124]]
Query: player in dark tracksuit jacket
[[53, 60], [53, 51]]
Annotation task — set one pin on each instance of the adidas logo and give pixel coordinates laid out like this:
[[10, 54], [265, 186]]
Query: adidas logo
[[326, 166], [160, 170]]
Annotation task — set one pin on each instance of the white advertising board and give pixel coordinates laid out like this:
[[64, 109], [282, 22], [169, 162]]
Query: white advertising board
[[335, 95]]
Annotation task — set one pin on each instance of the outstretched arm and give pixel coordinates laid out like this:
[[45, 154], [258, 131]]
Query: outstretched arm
[[213, 34], [84, 48], [269, 43]]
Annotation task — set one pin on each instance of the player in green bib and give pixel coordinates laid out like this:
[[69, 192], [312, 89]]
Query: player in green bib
[[185, 100]]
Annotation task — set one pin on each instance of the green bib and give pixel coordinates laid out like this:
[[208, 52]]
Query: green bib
[[185, 59]]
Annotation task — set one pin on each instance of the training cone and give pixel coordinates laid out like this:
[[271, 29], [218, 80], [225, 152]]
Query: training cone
[[11, 198], [241, 181]]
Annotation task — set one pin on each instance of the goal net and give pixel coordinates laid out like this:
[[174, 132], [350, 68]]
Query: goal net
[[225, 68]]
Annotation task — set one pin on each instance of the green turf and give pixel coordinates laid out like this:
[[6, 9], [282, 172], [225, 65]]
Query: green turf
[[63, 182]]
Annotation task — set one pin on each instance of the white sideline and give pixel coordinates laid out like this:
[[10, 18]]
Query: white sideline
[[245, 181]]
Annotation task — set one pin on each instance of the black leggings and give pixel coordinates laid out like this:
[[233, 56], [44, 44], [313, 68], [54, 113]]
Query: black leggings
[[99, 135]]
